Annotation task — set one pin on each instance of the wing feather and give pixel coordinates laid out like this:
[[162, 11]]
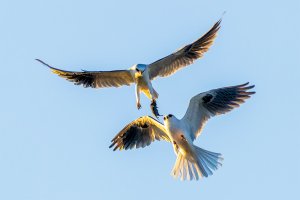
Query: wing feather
[[212, 103], [184, 56], [95, 79], [139, 133]]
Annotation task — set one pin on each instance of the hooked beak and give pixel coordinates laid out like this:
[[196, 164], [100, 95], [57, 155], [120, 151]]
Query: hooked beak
[[139, 72]]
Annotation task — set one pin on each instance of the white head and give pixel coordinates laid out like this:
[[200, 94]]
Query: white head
[[170, 118], [139, 69], [170, 121]]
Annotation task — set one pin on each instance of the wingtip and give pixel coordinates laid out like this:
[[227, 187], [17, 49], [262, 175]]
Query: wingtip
[[224, 12], [220, 20], [247, 87], [218, 23], [39, 60], [43, 63]]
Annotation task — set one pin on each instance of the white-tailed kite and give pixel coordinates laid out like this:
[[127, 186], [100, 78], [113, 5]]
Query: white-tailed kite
[[192, 162], [143, 74]]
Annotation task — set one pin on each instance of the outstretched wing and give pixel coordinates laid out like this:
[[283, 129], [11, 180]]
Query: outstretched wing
[[184, 56], [139, 133], [214, 102], [95, 79]]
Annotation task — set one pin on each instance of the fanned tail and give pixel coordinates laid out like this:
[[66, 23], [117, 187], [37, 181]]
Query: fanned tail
[[204, 165]]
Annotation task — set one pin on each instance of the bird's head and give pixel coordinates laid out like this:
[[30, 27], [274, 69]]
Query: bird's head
[[170, 121], [139, 69], [169, 117]]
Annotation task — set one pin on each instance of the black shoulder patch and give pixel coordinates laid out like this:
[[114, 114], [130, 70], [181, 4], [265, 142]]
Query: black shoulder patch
[[207, 98], [144, 125], [188, 47]]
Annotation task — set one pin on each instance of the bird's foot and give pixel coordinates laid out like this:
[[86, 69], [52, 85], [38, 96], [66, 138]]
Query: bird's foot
[[175, 146], [183, 138], [138, 105], [154, 109]]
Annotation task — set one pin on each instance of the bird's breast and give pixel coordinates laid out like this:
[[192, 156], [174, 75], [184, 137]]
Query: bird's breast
[[175, 132], [181, 139], [142, 82]]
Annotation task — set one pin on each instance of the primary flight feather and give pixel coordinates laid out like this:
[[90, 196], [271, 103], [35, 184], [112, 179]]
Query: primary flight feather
[[192, 162], [142, 74]]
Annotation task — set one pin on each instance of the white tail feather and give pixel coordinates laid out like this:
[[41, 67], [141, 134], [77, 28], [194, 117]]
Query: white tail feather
[[204, 165]]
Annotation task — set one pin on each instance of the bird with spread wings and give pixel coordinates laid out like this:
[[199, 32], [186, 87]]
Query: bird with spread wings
[[143, 74], [192, 161]]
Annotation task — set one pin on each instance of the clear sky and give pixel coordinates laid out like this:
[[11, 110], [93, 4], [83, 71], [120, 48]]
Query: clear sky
[[54, 136]]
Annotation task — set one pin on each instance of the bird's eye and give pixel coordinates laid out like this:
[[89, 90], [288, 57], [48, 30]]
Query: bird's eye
[[137, 69], [170, 115]]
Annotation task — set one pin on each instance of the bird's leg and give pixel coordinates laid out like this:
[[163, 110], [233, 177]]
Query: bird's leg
[[182, 137], [154, 109], [138, 105], [175, 147], [137, 95]]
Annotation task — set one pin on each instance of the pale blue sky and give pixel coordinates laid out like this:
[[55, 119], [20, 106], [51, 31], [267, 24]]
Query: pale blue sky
[[54, 136]]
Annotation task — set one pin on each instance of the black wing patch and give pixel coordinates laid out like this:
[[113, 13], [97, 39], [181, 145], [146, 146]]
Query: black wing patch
[[207, 98], [85, 79]]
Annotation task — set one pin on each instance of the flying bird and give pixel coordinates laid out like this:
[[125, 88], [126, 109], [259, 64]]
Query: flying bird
[[143, 74], [192, 161]]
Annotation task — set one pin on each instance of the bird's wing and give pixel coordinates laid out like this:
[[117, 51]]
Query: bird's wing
[[95, 79], [139, 133], [184, 56], [214, 102]]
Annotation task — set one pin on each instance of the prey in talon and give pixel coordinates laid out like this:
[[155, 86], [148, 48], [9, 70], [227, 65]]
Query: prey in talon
[[154, 109]]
